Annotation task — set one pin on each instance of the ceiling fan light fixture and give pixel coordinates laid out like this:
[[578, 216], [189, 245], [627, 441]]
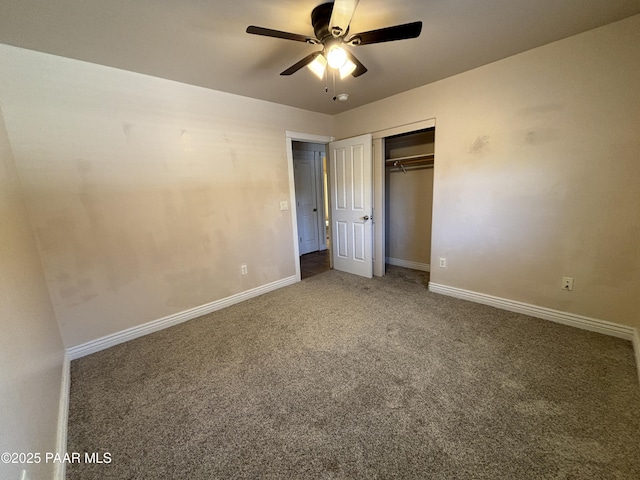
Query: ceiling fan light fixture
[[331, 22], [318, 66], [336, 57]]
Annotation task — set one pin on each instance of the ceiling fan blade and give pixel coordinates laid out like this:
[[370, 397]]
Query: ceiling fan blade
[[341, 16], [268, 32], [302, 63], [388, 34], [360, 68]]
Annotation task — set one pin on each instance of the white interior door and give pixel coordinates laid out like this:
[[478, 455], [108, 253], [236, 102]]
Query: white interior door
[[351, 205], [306, 201]]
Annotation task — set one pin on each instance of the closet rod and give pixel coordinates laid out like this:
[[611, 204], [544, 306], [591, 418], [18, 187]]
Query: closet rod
[[409, 168], [414, 159], [410, 162]]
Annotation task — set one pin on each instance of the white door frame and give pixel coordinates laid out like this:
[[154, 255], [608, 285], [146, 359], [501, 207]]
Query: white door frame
[[379, 188], [301, 137]]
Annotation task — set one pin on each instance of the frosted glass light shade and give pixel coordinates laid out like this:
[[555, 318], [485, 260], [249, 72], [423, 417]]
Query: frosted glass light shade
[[318, 66], [347, 69]]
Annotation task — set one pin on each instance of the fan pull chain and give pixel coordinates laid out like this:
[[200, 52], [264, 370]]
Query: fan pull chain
[[333, 73], [326, 80]]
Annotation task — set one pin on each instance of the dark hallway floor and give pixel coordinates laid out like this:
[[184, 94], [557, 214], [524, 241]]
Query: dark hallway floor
[[314, 263]]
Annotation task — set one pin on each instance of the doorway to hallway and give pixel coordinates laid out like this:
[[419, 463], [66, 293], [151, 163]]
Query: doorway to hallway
[[310, 181]]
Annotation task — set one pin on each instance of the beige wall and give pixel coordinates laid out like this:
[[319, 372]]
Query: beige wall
[[409, 199], [536, 172], [31, 351], [147, 195]]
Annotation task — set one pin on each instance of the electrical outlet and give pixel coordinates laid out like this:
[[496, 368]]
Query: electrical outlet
[[443, 262], [284, 205], [243, 269], [567, 283]]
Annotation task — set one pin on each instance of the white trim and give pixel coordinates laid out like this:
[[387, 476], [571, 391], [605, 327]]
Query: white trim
[[309, 137], [171, 320], [424, 267], [379, 209], [289, 138], [406, 128], [63, 416], [293, 207], [636, 348], [379, 182], [320, 194], [565, 318]]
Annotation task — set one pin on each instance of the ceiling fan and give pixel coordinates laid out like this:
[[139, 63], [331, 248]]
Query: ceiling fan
[[330, 23]]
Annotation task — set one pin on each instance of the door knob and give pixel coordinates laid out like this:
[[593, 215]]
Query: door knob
[[366, 217]]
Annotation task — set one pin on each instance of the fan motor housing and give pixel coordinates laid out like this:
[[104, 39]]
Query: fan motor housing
[[320, 18]]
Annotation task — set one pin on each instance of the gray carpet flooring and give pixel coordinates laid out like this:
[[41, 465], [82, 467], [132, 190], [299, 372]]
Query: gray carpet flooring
[[339, 377]]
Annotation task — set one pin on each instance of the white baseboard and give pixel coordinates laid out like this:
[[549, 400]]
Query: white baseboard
[[579, 321], [63, 417], [171, 320], [571, 319], [425, 267]]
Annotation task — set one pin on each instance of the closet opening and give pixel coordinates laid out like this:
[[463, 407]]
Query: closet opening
[[409, 160]]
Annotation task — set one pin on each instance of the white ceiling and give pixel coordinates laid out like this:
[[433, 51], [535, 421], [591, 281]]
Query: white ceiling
[[204, 42]]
